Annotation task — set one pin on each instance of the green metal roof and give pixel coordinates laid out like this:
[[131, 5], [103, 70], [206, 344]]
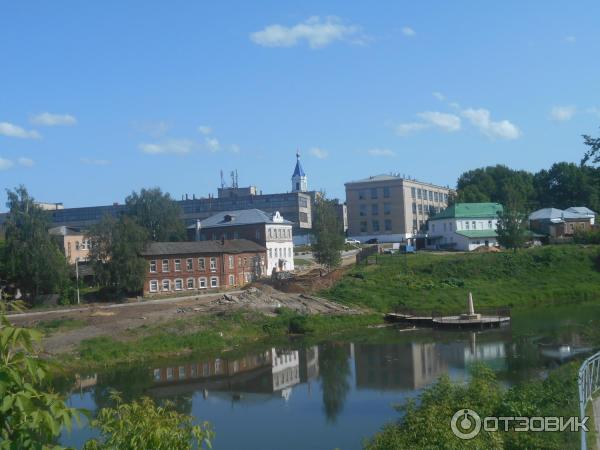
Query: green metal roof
[[470, 211], [477, 233]]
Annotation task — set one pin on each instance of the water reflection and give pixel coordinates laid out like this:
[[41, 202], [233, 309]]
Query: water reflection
[[358, 383]]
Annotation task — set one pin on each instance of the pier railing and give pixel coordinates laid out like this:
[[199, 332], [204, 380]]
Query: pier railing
[[503, 311], [588, 382]]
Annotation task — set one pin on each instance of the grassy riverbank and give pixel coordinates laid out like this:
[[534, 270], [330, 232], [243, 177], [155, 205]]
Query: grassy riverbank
[[553, 274], [208, 334]]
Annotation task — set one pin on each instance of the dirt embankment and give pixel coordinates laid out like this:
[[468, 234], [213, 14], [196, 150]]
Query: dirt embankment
[[118, 320]]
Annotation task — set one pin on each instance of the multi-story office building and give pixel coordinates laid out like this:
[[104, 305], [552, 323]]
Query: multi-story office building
[[392, 208]]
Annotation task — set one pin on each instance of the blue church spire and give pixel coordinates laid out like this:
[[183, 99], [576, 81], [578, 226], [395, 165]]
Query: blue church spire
[[299, 179], [298, 171]]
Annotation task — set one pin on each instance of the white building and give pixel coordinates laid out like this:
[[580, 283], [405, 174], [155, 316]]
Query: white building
[[270, 231], [465, 226]]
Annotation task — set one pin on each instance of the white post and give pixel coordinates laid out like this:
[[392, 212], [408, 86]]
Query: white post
[[77, 277], [470, 308]]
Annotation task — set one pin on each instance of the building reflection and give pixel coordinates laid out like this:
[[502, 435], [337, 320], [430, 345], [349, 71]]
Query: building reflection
[[270, 372]]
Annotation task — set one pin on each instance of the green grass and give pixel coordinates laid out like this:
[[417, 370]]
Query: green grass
[[209, 335], [553, 274], [51, 326], [301, 262]]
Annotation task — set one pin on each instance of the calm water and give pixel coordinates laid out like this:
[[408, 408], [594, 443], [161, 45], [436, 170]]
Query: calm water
[[337, 393]]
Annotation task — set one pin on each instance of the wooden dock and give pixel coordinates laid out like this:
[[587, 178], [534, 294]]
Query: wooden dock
[[449, 322]]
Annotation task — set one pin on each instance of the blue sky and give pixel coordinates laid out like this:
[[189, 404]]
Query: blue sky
[[102, 98]]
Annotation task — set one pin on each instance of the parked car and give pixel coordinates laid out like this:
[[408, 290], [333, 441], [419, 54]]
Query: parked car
[[373, 241], [352, 241]]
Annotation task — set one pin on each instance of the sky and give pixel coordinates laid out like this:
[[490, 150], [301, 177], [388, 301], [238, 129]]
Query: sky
[[100, 98]]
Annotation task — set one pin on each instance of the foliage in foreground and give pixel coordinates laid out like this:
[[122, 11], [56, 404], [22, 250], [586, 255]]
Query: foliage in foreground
[[31, 416], [143, 424], [427, 426]]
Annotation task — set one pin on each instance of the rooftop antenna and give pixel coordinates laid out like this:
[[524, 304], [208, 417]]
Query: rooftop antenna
[[236, 179], [222, 180]]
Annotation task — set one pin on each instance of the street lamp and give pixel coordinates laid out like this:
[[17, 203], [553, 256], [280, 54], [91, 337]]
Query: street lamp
[[77, 277]]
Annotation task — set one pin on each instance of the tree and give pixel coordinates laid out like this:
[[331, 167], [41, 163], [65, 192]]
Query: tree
[[566, 185], [115, 253], [334, 368], [143, 424], [593, 154], [32, 259], [158, 213], [31, 416], [328, 233], [512, 227]]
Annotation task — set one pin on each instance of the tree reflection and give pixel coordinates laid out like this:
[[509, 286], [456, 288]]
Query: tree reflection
[[335, 373]]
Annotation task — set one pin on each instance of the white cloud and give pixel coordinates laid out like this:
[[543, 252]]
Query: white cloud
[[408, 31], [386, 152], [10, 130], [315, 31], [319, 153], [441, 97], [445, 121], [570, 39], [212, 144], [234, 148], [481, 118], [51, 120], [205, 130], [6, 164], [25, 162], [95, 162], [563, 113], [404, 129], [175, 146]]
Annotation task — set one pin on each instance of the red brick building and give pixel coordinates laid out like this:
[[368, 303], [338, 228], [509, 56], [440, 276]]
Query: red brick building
[[188, 267]]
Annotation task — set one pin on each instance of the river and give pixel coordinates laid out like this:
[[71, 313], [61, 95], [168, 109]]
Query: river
[[338, 392]]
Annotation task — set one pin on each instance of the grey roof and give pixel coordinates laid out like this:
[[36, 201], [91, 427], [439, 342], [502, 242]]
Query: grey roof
[[64, 230], [376, 178], [239, 217], [194, 247], [581, 210], [554, 214]]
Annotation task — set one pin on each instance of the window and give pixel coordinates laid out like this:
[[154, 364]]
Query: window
[[181, 372], [201, 265], [467, 224], [153, 266], [213, 264], [270, 253], [362, 194], [231, 262], [424, 194], [202, 283], [77, 245], [432, 227], [414, 208], [276, 251], [474, 225], [420, 209], [153, 285], [387, 209], [414, 225], [388, 225], [303, 217], [362, 210], [445, 198], [214, 282], [450, 226], [231, 280], [419, 193], [375, 225], [157, 375], [166, 285], [374, 209], [178, 284], [270, 233], [430, 196], [373, 193], [190, 283], [165, 265], [189, 264], [177, 265], [386, 192], [245, 261], [236, 235], [303, 202], [413, 192], [490, 224], [363, 226], [169, 373]]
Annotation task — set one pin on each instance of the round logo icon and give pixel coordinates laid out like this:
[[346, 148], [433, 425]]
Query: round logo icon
[[465, 424]]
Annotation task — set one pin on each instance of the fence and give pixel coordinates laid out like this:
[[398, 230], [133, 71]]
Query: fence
[[588, 382], [366, 253]]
